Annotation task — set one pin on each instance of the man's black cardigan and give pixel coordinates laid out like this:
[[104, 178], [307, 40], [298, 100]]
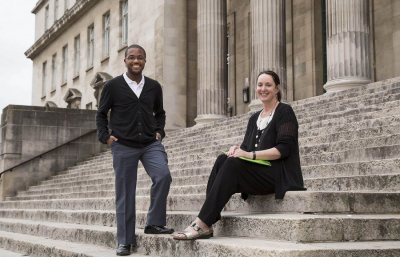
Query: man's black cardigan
[[134, 121]]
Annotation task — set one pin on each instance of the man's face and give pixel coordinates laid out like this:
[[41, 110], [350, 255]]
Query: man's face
[[135, 61]]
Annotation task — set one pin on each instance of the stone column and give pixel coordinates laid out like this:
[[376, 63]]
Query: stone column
[[347, 44], [268, 43], [211, 95]]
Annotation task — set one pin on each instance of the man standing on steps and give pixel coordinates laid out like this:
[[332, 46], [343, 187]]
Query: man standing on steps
[[137, 121]]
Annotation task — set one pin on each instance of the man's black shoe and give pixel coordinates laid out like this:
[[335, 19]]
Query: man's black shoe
[[154, 229], [123, 250]]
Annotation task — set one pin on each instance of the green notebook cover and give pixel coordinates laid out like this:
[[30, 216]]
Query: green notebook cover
[[262, 162]]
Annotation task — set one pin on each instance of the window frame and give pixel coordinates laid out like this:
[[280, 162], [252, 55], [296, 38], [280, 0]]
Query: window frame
[[106, 34], [64, 75], [90, 46], [77, 55]]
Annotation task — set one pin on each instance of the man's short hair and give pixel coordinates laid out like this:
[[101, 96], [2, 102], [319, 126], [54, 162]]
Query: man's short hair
[[135, 46]]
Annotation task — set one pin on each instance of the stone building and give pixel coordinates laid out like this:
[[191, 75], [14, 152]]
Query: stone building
[[207, 53]]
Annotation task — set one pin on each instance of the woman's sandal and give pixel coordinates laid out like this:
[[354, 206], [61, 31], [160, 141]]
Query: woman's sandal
[[193, 232]]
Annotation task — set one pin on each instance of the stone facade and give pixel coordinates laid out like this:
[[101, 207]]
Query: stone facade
[[50, 138], [300, 39]]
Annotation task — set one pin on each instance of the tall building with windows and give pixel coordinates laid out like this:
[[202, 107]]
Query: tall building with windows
[[207, 53]]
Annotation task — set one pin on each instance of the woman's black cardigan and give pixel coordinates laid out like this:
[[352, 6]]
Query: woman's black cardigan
[[281, 133]]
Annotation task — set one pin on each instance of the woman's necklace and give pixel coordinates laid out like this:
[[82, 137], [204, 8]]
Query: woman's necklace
[[262, 122]]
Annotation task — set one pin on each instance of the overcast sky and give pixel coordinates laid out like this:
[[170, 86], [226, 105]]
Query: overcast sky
[[17, 29]]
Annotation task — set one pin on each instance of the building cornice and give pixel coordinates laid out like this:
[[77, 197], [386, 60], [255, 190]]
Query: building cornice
[[62, 24], [39, 5]]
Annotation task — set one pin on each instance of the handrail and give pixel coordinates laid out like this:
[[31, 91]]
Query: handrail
[[40, 155]]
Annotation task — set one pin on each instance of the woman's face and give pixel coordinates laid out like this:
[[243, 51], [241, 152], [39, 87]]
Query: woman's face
[[266, 88]]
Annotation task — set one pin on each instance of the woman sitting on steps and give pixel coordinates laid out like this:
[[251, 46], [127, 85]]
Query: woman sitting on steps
[[272, 134]]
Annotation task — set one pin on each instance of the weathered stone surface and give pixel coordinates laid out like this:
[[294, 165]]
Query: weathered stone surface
[[351, 165]]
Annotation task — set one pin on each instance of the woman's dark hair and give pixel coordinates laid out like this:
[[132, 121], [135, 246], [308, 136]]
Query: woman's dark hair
[[276, 79]]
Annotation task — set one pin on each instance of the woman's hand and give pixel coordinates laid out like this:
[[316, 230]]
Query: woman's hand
[[241, 153], [232, 150]]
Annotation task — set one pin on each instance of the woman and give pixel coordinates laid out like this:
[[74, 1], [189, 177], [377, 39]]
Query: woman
[[272, 134]]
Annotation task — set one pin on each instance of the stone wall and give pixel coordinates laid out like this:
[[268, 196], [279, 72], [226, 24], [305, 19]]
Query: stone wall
[[305, 41], [386, 19], [28, 131]]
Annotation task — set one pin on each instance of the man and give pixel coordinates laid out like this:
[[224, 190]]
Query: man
[[137, 121]]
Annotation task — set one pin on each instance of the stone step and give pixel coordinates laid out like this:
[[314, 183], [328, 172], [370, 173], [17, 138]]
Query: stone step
[[73, 189], [182, 176], [5, 253], [217, 246], [380, 141], [318, 103], [108, 160], [83, 171], [185, 185], [305, 123], [349, 117], [363, 133], [353, 155], [336, 136], [352, 94], [62, 193], [77, 185], [368, 167], [321, 106], [106, 190], [337, 118], [303, 201], [350, 155], [255, 247], [106, 178], [345, 104], [203, 166], [288, 227], [381, 182], [351, 127], [103, 174], [348, 130], [332, 146], [381, 102], [45, 247]]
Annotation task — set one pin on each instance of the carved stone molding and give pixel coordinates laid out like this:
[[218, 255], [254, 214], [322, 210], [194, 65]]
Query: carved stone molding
[[97, 84], [73, 98]]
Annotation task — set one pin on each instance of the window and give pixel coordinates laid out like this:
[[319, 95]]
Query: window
[[64, 64], [124, 22], [55, 10], [53, 72], [77, 55], [46, 18], [44, 76], [90, 47], [106, 34]]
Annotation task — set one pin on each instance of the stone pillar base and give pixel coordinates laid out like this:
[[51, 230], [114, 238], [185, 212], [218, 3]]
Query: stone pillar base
[[206, 118], [343, 84]]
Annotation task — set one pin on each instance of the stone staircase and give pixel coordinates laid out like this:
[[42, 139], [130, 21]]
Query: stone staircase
[[350, 153]]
